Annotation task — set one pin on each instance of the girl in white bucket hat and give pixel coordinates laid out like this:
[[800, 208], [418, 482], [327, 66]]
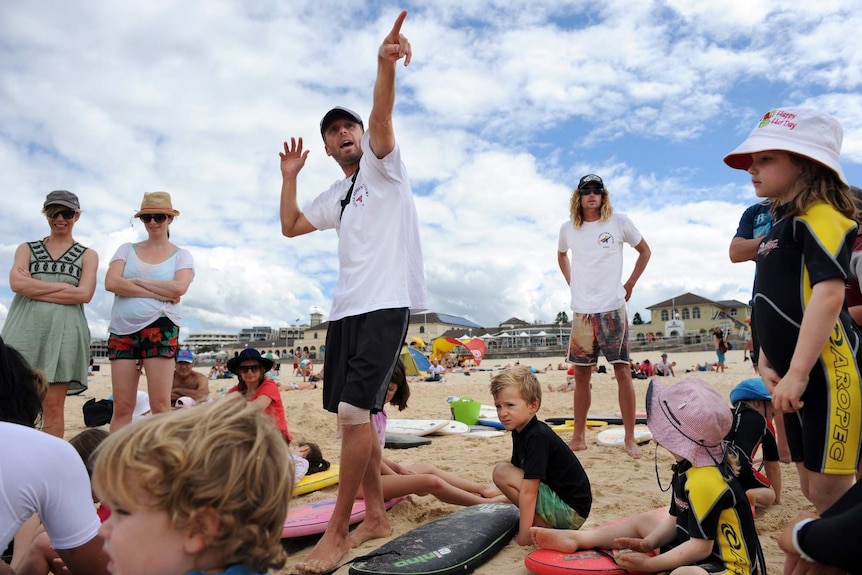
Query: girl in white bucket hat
[[811, 347]]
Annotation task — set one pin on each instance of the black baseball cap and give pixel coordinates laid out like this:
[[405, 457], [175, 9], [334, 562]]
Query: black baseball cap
[[589, 179], [339, 112]]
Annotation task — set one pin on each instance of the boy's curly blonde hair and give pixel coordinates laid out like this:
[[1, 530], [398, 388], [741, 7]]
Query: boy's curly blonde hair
[[223, 458], [521, 378]]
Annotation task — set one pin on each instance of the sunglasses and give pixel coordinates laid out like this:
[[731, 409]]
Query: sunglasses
[[249, 368], [160, 218], [67, 214], [588, 191]]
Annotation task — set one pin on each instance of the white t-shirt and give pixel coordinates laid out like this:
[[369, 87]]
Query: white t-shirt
[[40, 473], [132, 314], [597, 262], [379, 252]]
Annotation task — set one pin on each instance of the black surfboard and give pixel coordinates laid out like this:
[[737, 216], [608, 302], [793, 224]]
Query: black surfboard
[[404, 441], [457, 543]]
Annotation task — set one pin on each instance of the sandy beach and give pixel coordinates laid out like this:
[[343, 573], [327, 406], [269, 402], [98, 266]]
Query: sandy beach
[[621, 486]]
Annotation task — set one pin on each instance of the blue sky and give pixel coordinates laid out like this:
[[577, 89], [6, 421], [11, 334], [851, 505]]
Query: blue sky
[[503, 108]]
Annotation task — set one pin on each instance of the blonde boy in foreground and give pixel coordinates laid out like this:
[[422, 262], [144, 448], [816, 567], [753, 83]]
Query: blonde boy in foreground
[[544, 478], [201, 490]]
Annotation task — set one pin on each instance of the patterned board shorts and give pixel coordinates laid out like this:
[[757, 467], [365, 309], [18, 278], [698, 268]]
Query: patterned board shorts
[[159, 339], [605, 332], [556, 512]]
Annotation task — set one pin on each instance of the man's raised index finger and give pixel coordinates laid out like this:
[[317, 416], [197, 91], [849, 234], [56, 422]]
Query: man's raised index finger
[[396, 28]]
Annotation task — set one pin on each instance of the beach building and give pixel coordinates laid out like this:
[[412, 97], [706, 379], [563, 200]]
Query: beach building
[[202, 342], [691, 317]]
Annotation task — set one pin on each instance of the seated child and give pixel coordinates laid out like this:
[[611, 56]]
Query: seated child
[[646, 368], [196, 490], [423, 479], [825, 544], [709, 525], [544, 478], [752, 428], [307, 460], [34, 553]]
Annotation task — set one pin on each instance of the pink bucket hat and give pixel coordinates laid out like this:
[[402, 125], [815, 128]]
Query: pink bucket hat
[[689, 419], [803, 131]]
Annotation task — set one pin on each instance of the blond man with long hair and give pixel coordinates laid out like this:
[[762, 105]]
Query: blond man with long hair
[[595, 236]]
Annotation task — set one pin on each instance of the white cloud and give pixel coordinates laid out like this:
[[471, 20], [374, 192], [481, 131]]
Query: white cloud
[[504, 107]]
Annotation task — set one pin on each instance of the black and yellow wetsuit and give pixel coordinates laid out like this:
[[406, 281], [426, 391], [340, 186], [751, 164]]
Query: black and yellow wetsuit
[[711, 505], [798, 253]]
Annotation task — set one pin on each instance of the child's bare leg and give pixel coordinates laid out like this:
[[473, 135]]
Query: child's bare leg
[[508, 479], [763, 496], [484, 489], [637, 526]]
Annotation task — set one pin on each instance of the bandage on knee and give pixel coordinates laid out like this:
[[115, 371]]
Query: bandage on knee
[[352, 415]]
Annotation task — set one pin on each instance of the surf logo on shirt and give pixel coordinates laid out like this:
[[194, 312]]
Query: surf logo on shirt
[[842, 398], [765, 247], [733, 543], [606, 240], [360, 196]]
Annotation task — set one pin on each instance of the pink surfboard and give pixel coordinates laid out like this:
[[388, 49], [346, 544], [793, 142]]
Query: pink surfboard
[[312, 518]]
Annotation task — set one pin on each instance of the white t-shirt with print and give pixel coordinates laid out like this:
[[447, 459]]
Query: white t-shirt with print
[[379, 252], [40, 473], [597, 262]]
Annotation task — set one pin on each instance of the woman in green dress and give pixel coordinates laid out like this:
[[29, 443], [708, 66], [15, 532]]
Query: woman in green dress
[[52, 279]]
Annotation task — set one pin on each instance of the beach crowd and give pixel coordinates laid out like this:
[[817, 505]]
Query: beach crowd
[[203, 486]]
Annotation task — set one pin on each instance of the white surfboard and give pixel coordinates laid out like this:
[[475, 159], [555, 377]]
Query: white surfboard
[[417, 427], [488, 412], [615, 436], [486, 433], [452, 428]]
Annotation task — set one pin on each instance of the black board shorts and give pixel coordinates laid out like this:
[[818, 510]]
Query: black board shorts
[[361, 352]]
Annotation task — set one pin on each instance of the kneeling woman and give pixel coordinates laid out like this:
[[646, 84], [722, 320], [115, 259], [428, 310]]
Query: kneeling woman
[[250, 369]]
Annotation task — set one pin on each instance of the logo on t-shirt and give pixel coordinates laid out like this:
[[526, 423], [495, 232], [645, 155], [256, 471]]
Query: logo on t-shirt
[[360, 196], [766, 247], [606, 240]]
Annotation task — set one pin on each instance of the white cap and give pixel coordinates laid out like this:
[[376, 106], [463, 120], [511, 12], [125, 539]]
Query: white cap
[[802, 131]]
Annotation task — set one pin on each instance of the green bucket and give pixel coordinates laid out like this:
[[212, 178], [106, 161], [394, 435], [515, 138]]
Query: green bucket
[[465, 410]]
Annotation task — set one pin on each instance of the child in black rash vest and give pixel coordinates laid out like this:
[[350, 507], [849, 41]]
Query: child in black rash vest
[[812, 544], [544, 478], [753, 430]]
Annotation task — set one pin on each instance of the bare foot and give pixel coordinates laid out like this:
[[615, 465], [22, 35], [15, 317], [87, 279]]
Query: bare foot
[[633, 449], [499, 499], [550, 387], [490, 490], [325, 555], [369, 530], [554, 539], [578, 444]]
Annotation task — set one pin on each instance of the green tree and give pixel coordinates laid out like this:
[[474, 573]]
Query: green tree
[[562, 318], [636, 320]]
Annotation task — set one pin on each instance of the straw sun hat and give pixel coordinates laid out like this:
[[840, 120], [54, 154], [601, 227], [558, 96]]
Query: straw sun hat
[[157, 203]]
